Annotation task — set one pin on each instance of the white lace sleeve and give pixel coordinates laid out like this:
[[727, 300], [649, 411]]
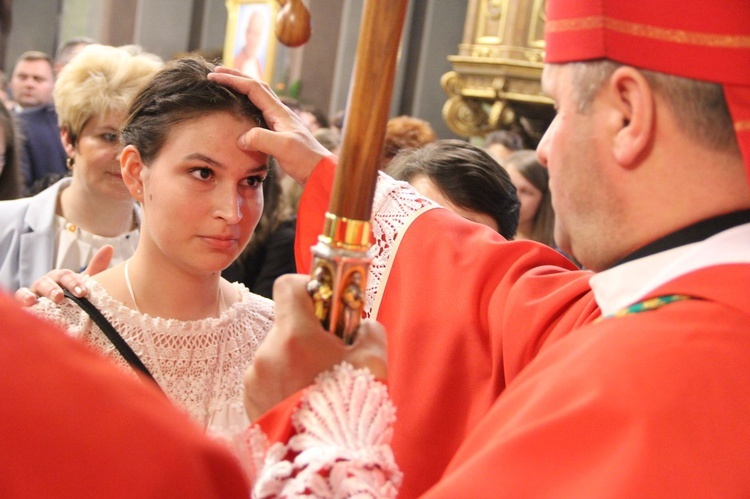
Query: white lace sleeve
[[341, 447], [394, 203]]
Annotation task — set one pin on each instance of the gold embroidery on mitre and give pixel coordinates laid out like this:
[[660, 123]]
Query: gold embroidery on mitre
[[742, 126], [577, 24], [647, 31]]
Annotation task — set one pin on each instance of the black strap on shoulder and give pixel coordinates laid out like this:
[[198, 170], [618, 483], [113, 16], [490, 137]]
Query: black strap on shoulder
[[111, 333]]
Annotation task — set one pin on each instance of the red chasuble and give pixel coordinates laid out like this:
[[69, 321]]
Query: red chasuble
[[448, 359], [653, 404], [601, 407]]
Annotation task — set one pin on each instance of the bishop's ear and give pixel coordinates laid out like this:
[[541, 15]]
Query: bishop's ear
[[131, 168], [634, 99]]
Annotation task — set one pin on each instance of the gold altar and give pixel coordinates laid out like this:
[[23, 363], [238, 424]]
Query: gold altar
[[495, 81]]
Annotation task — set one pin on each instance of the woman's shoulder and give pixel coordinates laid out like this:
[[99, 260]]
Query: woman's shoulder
[[12, 211], [40, 207], [72, 317]]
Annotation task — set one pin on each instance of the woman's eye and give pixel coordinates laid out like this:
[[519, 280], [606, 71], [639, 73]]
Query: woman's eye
[[110, 137], [256, 180], [201, 173]]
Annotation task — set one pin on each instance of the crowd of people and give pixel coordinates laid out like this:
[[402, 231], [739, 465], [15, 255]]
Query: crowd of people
[[510, 371]]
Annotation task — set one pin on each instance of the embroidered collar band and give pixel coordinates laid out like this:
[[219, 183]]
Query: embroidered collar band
[[706, 40]]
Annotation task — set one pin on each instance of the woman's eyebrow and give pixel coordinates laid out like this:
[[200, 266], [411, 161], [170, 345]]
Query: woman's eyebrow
[[206, 159]]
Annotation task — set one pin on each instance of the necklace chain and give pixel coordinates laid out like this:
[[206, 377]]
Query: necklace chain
[[126, 270], [130, 286]]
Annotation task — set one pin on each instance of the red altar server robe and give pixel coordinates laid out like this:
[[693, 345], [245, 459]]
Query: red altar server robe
[[599, 406], [72, 424]]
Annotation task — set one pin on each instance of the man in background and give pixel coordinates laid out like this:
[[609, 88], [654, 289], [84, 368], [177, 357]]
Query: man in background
[[32, 80], [42, 153], [70, 49]]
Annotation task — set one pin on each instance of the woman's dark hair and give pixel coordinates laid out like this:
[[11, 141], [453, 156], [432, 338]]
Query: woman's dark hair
[[511, 140], [179, 92], [466, 175], [11, 182]]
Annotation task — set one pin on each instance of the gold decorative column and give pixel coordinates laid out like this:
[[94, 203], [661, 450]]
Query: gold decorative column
[[495, 82]]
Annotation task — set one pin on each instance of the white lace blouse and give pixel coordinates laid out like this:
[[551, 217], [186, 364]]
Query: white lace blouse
[[199, 364]]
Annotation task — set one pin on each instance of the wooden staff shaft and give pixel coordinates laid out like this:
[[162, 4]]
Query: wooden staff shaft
[[341, 257], [367, 109]]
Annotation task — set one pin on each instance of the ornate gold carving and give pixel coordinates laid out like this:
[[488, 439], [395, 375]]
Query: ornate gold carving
[[496, 9], [495, 82], [534, 56], [536, 25], [491, 22], [451, 83], [338, 273], [465, 116]]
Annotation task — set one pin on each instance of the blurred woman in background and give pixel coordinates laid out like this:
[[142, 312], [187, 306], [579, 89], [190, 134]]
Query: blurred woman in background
[[11, 183], [537, 219]]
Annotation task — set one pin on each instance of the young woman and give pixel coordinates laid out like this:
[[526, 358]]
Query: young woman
[[201, 198]]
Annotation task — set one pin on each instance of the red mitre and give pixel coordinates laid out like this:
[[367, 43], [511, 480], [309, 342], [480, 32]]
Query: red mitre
[[705, 40]]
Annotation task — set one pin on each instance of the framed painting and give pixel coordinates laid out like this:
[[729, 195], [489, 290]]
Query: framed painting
[[250, 44]]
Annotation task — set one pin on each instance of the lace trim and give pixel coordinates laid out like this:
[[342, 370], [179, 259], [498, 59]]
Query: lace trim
[[394, 203], [341, 448]]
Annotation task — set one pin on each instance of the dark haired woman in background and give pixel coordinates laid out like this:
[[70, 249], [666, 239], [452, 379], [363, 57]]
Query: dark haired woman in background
[[463, 178], [11, 182]]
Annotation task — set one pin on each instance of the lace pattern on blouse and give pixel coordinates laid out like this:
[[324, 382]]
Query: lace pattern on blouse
[[199, 364], [341, 448], [393, 204]]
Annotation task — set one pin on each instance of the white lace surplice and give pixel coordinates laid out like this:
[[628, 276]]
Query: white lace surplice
[[199, 364], [394, 205], [341, 447]]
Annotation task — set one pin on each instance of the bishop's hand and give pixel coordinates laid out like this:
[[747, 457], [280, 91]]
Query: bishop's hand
[[287, 139]]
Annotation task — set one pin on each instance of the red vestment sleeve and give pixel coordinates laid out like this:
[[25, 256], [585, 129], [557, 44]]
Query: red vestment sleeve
[[465, 311], [451, 291], [310, 219], [276, 423], [73, 424]]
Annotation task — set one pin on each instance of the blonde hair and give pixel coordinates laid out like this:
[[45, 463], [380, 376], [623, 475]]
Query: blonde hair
[[99, 80]]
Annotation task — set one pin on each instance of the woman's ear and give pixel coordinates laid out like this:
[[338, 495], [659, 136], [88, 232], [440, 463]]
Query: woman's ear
[[634, 98], [131, 168], [67, 139]]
